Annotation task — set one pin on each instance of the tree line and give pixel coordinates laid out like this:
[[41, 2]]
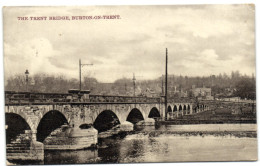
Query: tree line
[[222, 85]]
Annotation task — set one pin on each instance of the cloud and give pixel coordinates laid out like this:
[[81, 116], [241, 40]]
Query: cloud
[[31, 54], [201, 40]]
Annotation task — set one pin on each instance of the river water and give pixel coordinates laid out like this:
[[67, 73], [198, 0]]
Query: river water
[[165, 144]]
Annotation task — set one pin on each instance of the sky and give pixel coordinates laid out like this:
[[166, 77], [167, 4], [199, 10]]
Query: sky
[[202, 40]]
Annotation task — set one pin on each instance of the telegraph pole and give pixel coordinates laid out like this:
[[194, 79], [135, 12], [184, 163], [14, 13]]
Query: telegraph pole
[[125, 88], [166, 77], [79, 74], [162, 86], [80, 66], [134, 82]]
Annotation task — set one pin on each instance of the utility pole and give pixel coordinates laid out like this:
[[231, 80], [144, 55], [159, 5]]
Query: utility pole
[[162, 86], [80, 66], [125, 88], [172, 81], [134, 82], [166, 77]]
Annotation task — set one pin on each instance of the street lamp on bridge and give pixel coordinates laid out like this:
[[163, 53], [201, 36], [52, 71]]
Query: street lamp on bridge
[[26, 79]]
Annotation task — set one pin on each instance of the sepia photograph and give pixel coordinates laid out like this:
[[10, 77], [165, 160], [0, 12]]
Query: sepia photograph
[[129, 84]]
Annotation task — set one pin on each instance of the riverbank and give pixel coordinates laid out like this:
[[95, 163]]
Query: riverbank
[[216, 130], [202, 121], [239, 134]]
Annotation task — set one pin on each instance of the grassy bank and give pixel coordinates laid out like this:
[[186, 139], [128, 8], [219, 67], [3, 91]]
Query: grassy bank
[[240, 134], [199, 121]]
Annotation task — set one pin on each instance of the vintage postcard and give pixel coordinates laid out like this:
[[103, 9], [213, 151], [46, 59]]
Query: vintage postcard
[[130, 84]]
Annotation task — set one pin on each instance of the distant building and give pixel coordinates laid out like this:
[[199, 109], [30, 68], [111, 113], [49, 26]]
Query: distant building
[[233, 99], [150, 93], [204, 93], [175, 93]]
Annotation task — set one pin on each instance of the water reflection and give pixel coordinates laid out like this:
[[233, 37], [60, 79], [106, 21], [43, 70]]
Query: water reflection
[[168, 148], [142, 146], [71, 157]]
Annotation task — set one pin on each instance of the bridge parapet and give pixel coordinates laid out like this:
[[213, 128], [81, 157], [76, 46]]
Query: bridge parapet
[[129, 99], [52, 98]]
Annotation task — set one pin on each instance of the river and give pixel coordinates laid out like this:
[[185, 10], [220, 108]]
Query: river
[[168, 143]]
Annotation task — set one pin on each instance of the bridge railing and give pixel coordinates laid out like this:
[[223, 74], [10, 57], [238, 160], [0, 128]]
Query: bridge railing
[[31, 97], [180, 100], [128, 99]]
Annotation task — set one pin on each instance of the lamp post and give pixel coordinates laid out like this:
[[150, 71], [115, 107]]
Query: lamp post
[[26, 79]]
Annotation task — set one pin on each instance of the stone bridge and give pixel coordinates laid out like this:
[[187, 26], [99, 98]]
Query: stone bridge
[[73, 121], [78, 114]]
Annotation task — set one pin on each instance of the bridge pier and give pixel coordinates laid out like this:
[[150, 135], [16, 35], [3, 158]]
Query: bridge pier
[[71, 138], [34, 135], [126, 126], [191, 109], [146, 122], [172, 115], [25, 147]]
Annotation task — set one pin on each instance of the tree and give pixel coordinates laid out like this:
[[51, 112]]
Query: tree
[[245, 88]]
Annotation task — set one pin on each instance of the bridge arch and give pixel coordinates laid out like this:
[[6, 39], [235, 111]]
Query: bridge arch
[[154, 113], [169, 109], [21, 113], [135, 116], [180, 107], [188, 109], [15, 125], [47, 109], [175, 108], [49, 122], [106, 120], [185, 109]]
